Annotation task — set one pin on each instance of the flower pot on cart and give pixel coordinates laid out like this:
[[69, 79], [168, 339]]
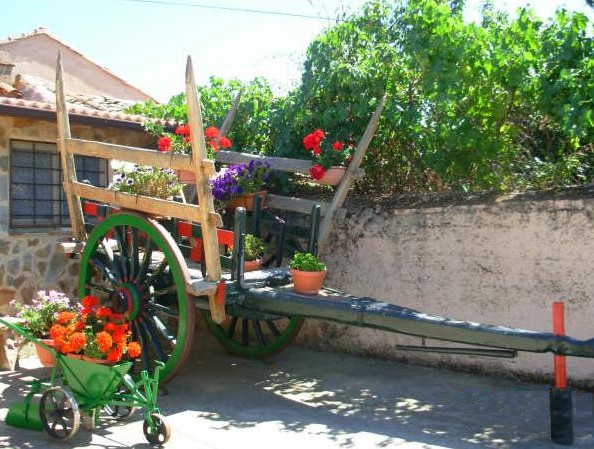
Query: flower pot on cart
[[332, 176], [246, 200], [307, 282]]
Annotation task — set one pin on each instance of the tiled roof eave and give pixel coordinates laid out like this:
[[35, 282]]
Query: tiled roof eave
[[47, 111]]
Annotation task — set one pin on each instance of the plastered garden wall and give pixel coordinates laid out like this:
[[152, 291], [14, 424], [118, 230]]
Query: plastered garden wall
[[500, 262]]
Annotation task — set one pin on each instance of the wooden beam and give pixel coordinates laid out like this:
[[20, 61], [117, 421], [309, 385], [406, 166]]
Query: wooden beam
[[156, 206], [230, 117], [348, 178], [205, 199], [285, 164], [68, 167], [292, 204], [136, 155]]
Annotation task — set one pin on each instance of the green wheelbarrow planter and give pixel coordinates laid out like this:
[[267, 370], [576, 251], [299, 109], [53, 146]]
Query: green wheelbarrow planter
[[79, 390]]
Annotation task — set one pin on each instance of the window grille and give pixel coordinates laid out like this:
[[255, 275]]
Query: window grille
[[37, 198]]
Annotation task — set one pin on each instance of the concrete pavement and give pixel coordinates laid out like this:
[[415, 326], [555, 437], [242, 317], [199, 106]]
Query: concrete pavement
[[306, 399]]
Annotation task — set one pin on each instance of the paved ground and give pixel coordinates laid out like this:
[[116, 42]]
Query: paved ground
[[305, 399]]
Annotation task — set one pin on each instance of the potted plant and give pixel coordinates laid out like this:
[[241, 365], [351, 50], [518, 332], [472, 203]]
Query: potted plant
[[254, 249], [329, 161], [39, 317], [146, 181], [308, 273], [238, 184], [94, 333]]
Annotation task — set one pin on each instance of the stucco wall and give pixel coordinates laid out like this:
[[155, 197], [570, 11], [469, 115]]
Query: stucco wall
[[36, 55], [28, 260], [500, 263]]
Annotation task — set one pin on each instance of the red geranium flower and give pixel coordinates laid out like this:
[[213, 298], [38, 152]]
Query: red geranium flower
[[164, 144], [337, 146], [212, 132], [317, 172], [183, 130], [224, 142]]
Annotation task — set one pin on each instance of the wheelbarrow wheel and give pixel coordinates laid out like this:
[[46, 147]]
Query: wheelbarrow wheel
[[134, 266], [255, 337], [161, 432], [59, 413]]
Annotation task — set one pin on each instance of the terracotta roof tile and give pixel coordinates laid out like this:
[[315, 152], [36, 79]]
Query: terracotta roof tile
[[76, 110]]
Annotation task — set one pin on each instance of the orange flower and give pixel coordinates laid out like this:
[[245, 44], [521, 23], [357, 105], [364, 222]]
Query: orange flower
[[104, 341], [114, 355], [78, 341], [66, 317], [133, 349], [57, 331]]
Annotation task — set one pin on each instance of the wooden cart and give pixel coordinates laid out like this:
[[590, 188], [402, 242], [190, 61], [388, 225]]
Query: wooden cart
[[159, 261]]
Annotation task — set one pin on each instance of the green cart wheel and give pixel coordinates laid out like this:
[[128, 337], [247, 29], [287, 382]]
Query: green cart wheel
[[59, 414], [255, 337], [160, 432], [133, 265]]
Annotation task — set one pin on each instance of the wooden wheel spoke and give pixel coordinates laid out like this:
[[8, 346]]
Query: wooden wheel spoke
[[160, 326], [270, 324], [232, 326], [245, 329], [146, 261], [110, 256], [153, 338], [96, 262], [133, 253], [100, 288], [164, 291], [169, 312], [120, 235], [155, 275], [259, 333], [140, 336]]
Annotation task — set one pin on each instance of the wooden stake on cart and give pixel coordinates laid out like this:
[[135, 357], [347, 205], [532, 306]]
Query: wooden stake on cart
[[205, 199], [68, 170], [348, 178]]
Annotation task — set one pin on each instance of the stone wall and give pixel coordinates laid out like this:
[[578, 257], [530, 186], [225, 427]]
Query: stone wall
[[29, 261], [500, 262]]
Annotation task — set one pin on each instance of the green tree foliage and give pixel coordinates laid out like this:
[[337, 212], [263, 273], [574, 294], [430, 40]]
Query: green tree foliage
[[250, 131], [496, 105]]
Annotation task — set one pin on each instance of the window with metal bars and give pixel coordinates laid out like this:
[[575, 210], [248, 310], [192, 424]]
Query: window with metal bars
[[37, 198]]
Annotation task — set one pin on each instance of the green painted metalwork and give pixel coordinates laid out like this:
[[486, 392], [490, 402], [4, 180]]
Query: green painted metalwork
[[140, 275]]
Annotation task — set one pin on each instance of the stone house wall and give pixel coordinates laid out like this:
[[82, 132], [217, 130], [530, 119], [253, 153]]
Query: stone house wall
[[499, 262], [28, 260]]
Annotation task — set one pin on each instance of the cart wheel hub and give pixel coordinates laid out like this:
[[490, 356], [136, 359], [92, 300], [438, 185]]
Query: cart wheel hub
[[126, 300]]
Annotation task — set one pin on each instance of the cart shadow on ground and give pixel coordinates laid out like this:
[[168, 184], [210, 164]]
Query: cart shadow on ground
[[348, 401], [303, 398]]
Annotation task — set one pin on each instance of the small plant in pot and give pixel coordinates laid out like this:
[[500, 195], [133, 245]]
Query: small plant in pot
[[254, 249], [308, 273]]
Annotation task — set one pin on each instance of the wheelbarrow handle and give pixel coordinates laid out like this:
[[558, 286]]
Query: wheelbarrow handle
[[28, 336]]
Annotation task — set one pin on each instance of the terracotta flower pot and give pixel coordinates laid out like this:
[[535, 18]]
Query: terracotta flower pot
[[307, 282], [246, 200], [46, 357], [252, 265], [91, 359], [333, 176], [186, 177]]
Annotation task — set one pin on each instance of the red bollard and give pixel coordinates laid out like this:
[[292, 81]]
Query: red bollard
[[560, 397]]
